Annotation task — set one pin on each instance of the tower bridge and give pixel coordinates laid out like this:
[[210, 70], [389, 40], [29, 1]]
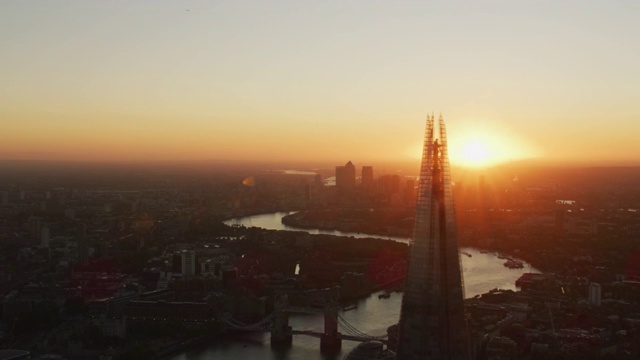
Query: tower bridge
[[277, 323]]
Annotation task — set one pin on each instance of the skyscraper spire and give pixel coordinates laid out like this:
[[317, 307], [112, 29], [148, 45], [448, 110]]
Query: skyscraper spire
[[432, 323]]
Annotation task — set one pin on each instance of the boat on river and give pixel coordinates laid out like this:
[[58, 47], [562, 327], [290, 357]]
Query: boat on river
[[513, 264]]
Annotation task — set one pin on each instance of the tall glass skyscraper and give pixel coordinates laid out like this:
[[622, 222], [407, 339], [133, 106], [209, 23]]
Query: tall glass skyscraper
[[432, 321]]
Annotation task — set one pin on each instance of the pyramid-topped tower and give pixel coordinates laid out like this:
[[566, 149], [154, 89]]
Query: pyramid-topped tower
[[432, 321]]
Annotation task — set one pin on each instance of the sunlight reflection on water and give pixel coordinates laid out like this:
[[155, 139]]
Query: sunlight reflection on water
[[481, 272]]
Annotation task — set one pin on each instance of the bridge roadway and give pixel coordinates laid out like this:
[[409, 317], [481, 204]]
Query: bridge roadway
[[342, 336], [319, 335], [304, 310], [316, 334], [352, 334]]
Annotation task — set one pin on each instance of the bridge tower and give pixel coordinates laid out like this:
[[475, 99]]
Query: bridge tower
[[281, 331], [331, 339]]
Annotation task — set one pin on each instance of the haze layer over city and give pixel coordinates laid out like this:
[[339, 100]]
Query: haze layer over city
[[202, 180]]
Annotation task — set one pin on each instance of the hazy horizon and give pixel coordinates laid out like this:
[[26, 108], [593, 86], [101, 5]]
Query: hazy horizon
[[403, 168], [289, 82]]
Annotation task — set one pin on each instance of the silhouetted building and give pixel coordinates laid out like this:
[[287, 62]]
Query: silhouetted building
[[169, 311], [501, 348], [534, 281], [44, 237], [432, 322], [82, 244], [346, 177], [188, 264], [367, 177], [176, 264], [111, 307], [395, 184], [595, 294], [559, 220], [369, 350], [409, 190], [35, 225]]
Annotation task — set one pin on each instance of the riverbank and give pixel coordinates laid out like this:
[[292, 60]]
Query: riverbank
[[284, 221], [483, 271], [386, 222], [371, 312], [186, 345]]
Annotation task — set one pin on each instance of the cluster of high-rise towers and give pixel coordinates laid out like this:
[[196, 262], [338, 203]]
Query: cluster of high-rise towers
[[432, 321], [346, 177]]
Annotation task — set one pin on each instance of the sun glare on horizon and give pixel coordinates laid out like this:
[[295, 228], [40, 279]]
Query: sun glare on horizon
[[483, 149]]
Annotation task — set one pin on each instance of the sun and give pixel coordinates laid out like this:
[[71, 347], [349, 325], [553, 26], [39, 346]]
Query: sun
[[472, 152], [475, 153], [481, 148]]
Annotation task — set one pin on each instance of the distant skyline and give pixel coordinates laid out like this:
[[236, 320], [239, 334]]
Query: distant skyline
[[319, 81]]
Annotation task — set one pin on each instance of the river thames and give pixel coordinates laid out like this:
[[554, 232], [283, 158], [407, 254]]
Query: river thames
[[481, 272]]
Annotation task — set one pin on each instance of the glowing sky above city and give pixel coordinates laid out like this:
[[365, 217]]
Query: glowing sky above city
[[319, 81]]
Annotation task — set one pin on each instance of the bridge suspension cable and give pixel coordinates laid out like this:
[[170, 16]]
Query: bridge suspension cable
[[239, 325], [352, 330], [265, 323]]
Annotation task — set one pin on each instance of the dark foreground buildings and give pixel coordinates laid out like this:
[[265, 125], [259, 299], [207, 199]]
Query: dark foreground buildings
[[432, 321]]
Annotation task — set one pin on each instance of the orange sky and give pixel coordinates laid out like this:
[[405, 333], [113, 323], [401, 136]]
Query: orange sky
[[331, 81]]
